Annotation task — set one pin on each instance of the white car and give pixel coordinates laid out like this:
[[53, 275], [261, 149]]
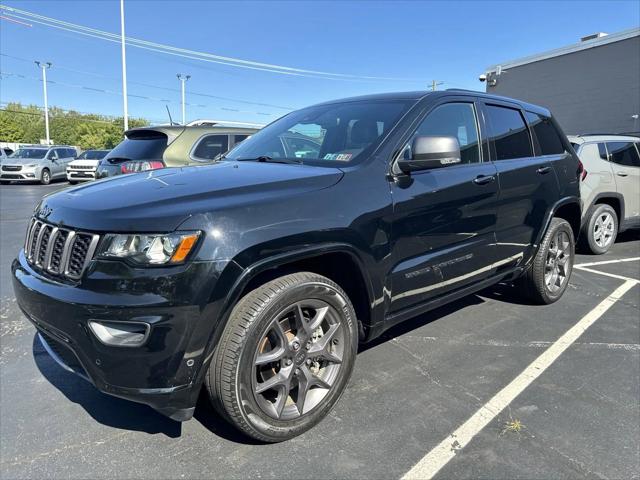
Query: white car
[[610, 187], [84, 167], [37, 163]]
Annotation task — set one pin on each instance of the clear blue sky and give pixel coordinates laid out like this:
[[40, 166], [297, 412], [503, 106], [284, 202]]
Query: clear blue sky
[[449, 41]]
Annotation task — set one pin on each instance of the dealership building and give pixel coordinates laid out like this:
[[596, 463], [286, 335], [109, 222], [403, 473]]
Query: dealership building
[[591, 87]]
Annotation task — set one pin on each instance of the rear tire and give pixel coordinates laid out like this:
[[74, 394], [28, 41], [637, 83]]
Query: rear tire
[[273, 376], [601, 229], [45, 177], [547, 277], [72, 182]]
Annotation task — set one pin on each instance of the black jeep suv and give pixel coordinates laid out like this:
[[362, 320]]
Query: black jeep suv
[[259, 275]]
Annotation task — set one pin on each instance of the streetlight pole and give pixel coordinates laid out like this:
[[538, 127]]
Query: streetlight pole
[[44, 66], [434, 85], [124, 68], [183, 79]]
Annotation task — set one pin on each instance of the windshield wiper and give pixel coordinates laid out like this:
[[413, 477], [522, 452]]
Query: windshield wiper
[[265, 158]]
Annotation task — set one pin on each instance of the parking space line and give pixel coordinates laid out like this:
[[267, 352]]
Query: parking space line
[[606, 274], [606, 262], [446, 450]]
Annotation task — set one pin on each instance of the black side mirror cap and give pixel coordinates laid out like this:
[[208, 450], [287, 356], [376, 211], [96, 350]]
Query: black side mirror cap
[[429, 152]]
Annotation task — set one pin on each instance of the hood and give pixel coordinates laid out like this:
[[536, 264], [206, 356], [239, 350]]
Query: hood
[[160, 200], [22, 161], [84, 163]]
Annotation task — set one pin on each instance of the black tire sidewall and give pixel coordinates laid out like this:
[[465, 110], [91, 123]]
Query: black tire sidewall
[[264, 425], [598, 210], [556, 226], [47, 174]]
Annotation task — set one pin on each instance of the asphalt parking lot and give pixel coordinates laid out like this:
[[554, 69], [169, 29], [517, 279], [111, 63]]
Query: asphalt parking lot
[[411, 391]]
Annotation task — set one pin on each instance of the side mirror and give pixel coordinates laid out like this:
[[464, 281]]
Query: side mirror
[[431, 152]]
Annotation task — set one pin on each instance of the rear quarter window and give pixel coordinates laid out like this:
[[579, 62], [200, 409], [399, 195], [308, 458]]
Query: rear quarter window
[[545, 135], [623, 153], [509, 133]]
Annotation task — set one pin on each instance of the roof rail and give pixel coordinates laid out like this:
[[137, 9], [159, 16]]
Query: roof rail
[[205, 122]]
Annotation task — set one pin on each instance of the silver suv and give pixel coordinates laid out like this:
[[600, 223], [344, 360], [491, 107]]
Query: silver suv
[[610, 189], [37, 164]]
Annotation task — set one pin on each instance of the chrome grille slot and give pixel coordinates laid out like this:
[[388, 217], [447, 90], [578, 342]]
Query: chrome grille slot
[[59, 251]]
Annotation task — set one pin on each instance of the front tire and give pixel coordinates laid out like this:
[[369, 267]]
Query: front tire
[[285, 356], [547, 277], [45, 177], [601, 230]]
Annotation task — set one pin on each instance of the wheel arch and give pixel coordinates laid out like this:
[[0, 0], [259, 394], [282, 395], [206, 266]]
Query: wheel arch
[[613, 199], [568, 208]]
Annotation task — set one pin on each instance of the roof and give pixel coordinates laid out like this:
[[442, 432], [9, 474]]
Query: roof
[[576, 47], [601, 138], [380, 96]]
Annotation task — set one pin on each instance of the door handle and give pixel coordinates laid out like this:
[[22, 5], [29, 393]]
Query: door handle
[[483, 179], [622, 174], [543, 170]]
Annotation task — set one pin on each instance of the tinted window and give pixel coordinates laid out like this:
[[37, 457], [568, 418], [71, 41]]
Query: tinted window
[[211, 146], [29, 153], [342, 132], [602, 151], [623, 153], [455, 120], [92, 155], [149, 147], [547, 138], [239, 138], [509, 133]]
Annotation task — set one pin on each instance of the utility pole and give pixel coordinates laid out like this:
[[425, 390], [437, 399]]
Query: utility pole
[[434, 85], [124, 68], [183, 79], [44, 66]]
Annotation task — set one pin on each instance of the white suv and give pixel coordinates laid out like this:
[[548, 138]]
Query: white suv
[[84, 167], [610, 188]]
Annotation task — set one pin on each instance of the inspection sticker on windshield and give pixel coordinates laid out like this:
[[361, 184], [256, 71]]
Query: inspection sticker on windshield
[[343, 157]]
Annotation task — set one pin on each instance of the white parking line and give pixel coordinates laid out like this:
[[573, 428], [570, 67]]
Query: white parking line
[[605, 262], [437, 458], [606, 274]]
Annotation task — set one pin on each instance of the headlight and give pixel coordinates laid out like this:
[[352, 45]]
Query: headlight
[[31, 165], [149, 249]]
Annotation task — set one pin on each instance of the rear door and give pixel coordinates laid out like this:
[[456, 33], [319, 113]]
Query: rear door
[[444, 219], [54, 162], [528, 183], [626, 166]]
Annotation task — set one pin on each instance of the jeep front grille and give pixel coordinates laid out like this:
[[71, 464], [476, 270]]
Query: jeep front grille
[[59, 251]]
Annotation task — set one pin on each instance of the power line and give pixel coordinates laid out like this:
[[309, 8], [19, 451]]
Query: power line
[[148, 85], [193, 54]]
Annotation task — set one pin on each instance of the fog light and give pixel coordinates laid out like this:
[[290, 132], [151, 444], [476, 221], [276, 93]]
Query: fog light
[[120, 334], [32, 175]]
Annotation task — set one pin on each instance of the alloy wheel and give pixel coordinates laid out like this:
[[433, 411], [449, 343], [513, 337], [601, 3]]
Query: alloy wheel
[[558, 262], [604, 230], [298, 360]]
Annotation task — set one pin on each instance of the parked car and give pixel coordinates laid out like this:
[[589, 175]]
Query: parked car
[[264, 271], [610, 188], [85, 166], [151, 148], [37, 164]]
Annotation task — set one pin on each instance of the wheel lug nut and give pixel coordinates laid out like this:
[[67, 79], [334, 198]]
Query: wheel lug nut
[[297, 372], [308, 361], [296, 345], [287, 362]]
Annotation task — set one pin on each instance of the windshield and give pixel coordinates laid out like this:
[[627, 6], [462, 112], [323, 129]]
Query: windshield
[[92, 155], [35, 153], [327, 135]]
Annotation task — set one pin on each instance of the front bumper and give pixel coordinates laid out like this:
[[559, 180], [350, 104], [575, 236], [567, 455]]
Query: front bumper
[[20, 176], [162, 373], [80, 175]]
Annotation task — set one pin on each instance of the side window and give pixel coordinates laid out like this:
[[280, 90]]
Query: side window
[[624, 153], [211, 146], [546, 136], [239, 138], [602, 151], [456, 120], [509, 133], [53, 154]]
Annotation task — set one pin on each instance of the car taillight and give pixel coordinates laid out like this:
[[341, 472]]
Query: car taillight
[[133, 167], [582, 172]]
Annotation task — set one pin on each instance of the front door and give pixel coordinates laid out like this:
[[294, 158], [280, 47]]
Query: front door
[[444, 219]]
